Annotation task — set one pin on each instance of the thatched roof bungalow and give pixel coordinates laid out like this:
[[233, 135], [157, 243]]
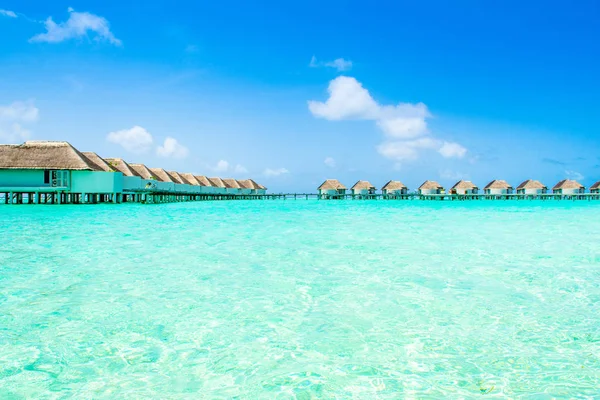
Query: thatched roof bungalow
[[181, 184], [148, 178], [531, 186], [100, 163], [164, 181], [431, 187], [233, 187], [568, 186], [498, 186], [54, 166], [394, 188], [219, 185], [363, 188], [332, 187], [595, 188], [132, 180], [255, 188], [464, 187], [201, 186]]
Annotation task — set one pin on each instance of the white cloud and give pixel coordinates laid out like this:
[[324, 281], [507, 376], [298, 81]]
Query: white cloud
[[225, 166], [12, 118], [449, 150], [275, 172], [240, 169], [172, 148], [574, 175], [339, 63], [404, 125], [330, 162], [221, 166], [7, 13], [79, 25], [452, 175], [136, 140]]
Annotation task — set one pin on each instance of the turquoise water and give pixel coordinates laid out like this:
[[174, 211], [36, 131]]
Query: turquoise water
[[301, 299]]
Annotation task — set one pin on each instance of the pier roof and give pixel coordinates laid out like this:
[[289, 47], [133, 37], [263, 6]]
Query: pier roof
[[161, 175], [431, 185], [568, 184], [394, 185], [464, 185], [363, 185], [531, 184], [98, 161], [142, 171], [121, 165], [217, 182], [44, 155], [498, 184], [331, 184]]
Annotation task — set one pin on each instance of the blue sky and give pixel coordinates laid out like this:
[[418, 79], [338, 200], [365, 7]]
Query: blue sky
[[291, 93]]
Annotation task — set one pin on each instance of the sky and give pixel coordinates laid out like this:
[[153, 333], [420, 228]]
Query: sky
[[293, 93]]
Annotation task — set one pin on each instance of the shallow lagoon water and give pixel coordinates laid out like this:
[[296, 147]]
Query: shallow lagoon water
[[301, 299]]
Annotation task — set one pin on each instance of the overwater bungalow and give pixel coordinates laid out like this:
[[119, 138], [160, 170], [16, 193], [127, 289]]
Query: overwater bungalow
[[363, 188], [233, 187], [498, 187], [255, 188], [151, 183], [246, 188], [181, 184], [164, 181], [199, 186], [207, 186], [51, 167], [332, 188], [394, 188], [219, 185], [568, 186], [464, 187], [132, 180], [261, 188], [431, 187], [595, 188], [531, 186], [98, 161]]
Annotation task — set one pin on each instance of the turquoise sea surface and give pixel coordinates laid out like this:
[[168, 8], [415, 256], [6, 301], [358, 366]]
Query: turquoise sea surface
[[301, 299]]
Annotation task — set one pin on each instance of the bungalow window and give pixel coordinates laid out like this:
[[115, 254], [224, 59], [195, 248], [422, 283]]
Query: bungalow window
[[46, 176]]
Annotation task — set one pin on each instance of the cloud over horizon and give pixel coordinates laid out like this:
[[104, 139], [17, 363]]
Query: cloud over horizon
[[171, 148], [8, 13], [339, 64], [13, 117], [136, 140]]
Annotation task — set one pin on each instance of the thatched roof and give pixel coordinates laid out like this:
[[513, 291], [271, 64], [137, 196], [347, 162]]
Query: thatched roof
[[498, 184], [468, 185], [143, 171], [121, 165], [217, 182], [394, 185], [261, 186], [44, 155], [331, 184], [177, 178], [568, 184], [191, 179], [360, 185], [231, 183], [98, 162], [250, 184], [203, 180], [595, 186], [161, 175], [531, 184], [430, 185]]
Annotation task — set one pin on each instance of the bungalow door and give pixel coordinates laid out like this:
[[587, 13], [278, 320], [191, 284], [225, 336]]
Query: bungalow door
[[56, 178]]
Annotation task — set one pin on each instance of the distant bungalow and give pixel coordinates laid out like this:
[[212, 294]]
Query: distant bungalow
[[183, 184], [595, 188], [219, 185], [202, 187], [394, 188], [431, 187], [162, 176], [497, 186], [531, 186], [132, 180], [363, 188], [568, 186], [253, 187], [332, 187], [233, 187], [464, 187]]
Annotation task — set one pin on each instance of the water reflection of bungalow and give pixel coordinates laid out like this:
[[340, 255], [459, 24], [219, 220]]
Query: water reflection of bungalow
[[363, 188], [498, 186], [531, 186], [568, 186], [394, 188], [464, 187], [595, 188], [332, 188], [431, 187], [219, 185], [55, 167]]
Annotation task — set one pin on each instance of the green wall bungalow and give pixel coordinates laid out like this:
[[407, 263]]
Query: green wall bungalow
[[151, 182], [332, 187], [232, 186], [568, 186], [431, 187], [394, 188], [531, 186], [464, 187], [181, 184], [244, 187], [363, 188], [132, 181], [47, 166], [201, 185], [163, 179], [219, 185], [255, 188]]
